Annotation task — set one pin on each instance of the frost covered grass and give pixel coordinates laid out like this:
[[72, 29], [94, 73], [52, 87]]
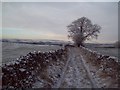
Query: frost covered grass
[[24, 72], [61, 67], [106, 51], [104, 67], [11, 51]]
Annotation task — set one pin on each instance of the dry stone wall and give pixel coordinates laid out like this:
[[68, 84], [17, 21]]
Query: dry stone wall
[[104, 69], [24, 71]]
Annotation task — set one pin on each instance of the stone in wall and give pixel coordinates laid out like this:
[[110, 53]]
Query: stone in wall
[[22, 73], [104, 67]]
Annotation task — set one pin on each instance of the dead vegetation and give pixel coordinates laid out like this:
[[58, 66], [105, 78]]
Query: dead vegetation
[[23, 73], [43, 65], [106, 66]]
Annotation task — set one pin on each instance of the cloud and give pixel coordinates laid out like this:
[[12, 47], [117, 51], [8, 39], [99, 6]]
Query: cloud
[[54, 17]]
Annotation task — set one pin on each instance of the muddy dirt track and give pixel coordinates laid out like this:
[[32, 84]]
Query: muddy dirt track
[[75, 74]]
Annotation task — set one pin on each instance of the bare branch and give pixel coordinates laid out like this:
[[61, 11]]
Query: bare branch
[[82, 29]]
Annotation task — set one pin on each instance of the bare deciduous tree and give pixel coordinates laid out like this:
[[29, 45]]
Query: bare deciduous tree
[[82, 29]]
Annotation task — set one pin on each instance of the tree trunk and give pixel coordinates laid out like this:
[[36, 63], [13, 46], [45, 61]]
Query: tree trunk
[[80, 44]]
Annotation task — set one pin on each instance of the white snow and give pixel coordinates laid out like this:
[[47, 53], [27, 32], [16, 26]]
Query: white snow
[[22, 69]]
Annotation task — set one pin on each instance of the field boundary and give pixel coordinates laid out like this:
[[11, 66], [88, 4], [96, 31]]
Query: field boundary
[[104, 69]]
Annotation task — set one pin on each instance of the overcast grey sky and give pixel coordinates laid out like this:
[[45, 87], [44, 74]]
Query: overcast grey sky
[[49, 20]]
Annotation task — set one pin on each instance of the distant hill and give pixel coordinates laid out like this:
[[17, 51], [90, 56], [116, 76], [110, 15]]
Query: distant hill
[[37, 42], [56, 42]]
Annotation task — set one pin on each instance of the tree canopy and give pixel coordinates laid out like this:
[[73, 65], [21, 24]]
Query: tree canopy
[[82, 29]]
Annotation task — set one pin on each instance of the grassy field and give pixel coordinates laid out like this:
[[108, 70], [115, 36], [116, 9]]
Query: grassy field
[[106, 51], [11, 51]]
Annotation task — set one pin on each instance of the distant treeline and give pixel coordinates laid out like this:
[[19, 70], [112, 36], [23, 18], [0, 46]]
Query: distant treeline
[[33, 42]]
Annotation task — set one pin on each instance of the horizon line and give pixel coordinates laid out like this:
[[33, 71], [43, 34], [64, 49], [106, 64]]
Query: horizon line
[[57, 40]]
